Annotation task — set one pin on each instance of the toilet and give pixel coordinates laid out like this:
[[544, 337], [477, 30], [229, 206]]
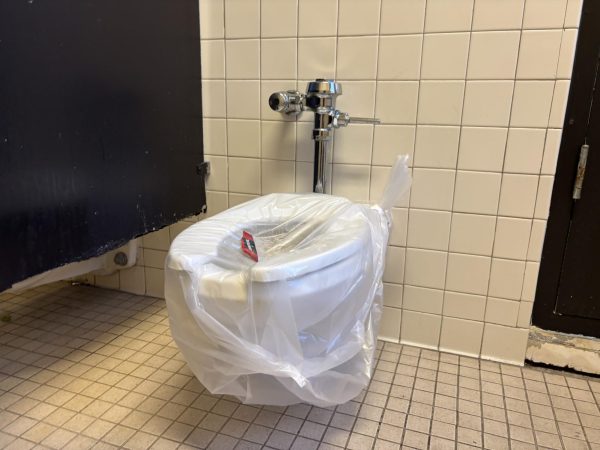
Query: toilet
[[297, 325]]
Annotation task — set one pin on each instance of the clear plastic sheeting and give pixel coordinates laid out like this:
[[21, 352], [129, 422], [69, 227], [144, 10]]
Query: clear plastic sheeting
[[299, 325]]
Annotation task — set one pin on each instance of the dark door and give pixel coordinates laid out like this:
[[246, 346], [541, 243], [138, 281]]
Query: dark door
[[100, 126], [568, 294]]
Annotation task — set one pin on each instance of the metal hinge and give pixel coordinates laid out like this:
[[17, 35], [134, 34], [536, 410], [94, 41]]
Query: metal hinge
[[583, 154], [203, 169]]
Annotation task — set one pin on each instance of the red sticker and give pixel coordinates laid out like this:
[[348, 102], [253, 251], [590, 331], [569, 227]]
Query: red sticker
[[248, 246]]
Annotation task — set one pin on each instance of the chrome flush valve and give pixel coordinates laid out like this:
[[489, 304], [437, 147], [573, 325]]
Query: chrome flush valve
[[319, 98]]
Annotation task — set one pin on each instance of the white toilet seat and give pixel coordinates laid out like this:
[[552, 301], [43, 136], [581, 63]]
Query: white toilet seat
[[214, 238]]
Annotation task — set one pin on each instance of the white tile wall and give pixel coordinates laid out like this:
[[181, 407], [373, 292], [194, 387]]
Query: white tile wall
[[474, 90]]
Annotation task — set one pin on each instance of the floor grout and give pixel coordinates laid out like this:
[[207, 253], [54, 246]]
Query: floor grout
[[84, 367]]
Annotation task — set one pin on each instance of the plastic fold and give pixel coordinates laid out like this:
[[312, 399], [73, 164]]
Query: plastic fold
[[298, 325]]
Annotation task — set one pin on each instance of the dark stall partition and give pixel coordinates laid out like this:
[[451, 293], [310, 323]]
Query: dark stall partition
[[100, 126]]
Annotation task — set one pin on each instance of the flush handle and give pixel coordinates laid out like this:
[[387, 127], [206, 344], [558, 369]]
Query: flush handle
[[342, 119]]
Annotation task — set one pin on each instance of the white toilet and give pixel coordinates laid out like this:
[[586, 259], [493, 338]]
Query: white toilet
[[299, 324]]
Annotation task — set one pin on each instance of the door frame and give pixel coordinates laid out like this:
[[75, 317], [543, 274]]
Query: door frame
[[562, 204]]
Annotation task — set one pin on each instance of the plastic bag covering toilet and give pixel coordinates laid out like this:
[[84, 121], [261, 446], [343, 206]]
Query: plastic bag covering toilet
[[299, 325]]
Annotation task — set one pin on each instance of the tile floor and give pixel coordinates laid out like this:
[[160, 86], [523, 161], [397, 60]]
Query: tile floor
[[82, 367]]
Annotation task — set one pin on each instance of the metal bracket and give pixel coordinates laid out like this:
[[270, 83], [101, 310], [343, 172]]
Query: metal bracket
[[203, 169], [583, 154]]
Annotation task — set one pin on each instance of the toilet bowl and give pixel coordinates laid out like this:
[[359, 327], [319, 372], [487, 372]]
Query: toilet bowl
[[300, 323]]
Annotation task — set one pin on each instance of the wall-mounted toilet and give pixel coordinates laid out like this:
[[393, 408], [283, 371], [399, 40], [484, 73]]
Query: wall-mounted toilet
[[294, 326]]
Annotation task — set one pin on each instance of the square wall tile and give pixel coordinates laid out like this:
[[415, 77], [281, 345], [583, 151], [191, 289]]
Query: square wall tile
[[445, 56], [359, 99], [512, 238], [544, 13], [357, 58], [154, 258], [402, 17], [536, 240], [440, 102], [316, 57], [461, 336], [551, 148], [357, 17], [559, 103], [351, 181], [502, 312], [428, 229], [482, 149], [436, 147], [420, 329], [243, 138], [279, 18], [477, 192], [278, 140], [278, 59], [498, 15], [390, 141], [493, 55], [322, 24], [212, 24], [544, 197], [277, 176], [444, 15], [506, 278], [394, 265], [305, 145], [217, 179], [304, 177], [525, 310], [468, 273], [432, 189], [524, 150], [352, 145], [487, 103], [379, 180], [392, 295], [423, 299], [389, 325], [213, 98], [538, 54], [399, 57], [157, 240], [530, 281], [472, 234], [567, 54], [243, 100], [238, 199], [531, 104], [155, 282], [212, 59], [504, 343], [244, 175], [464, 306], [396, 102], [425, 268], [243, 58], [242, 19], [573, 13], [133, 280], [215, 136], [518, 194], [399, 229], [216, 202]]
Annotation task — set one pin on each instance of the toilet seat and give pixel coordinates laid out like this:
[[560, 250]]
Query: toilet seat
[[303, 248]]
